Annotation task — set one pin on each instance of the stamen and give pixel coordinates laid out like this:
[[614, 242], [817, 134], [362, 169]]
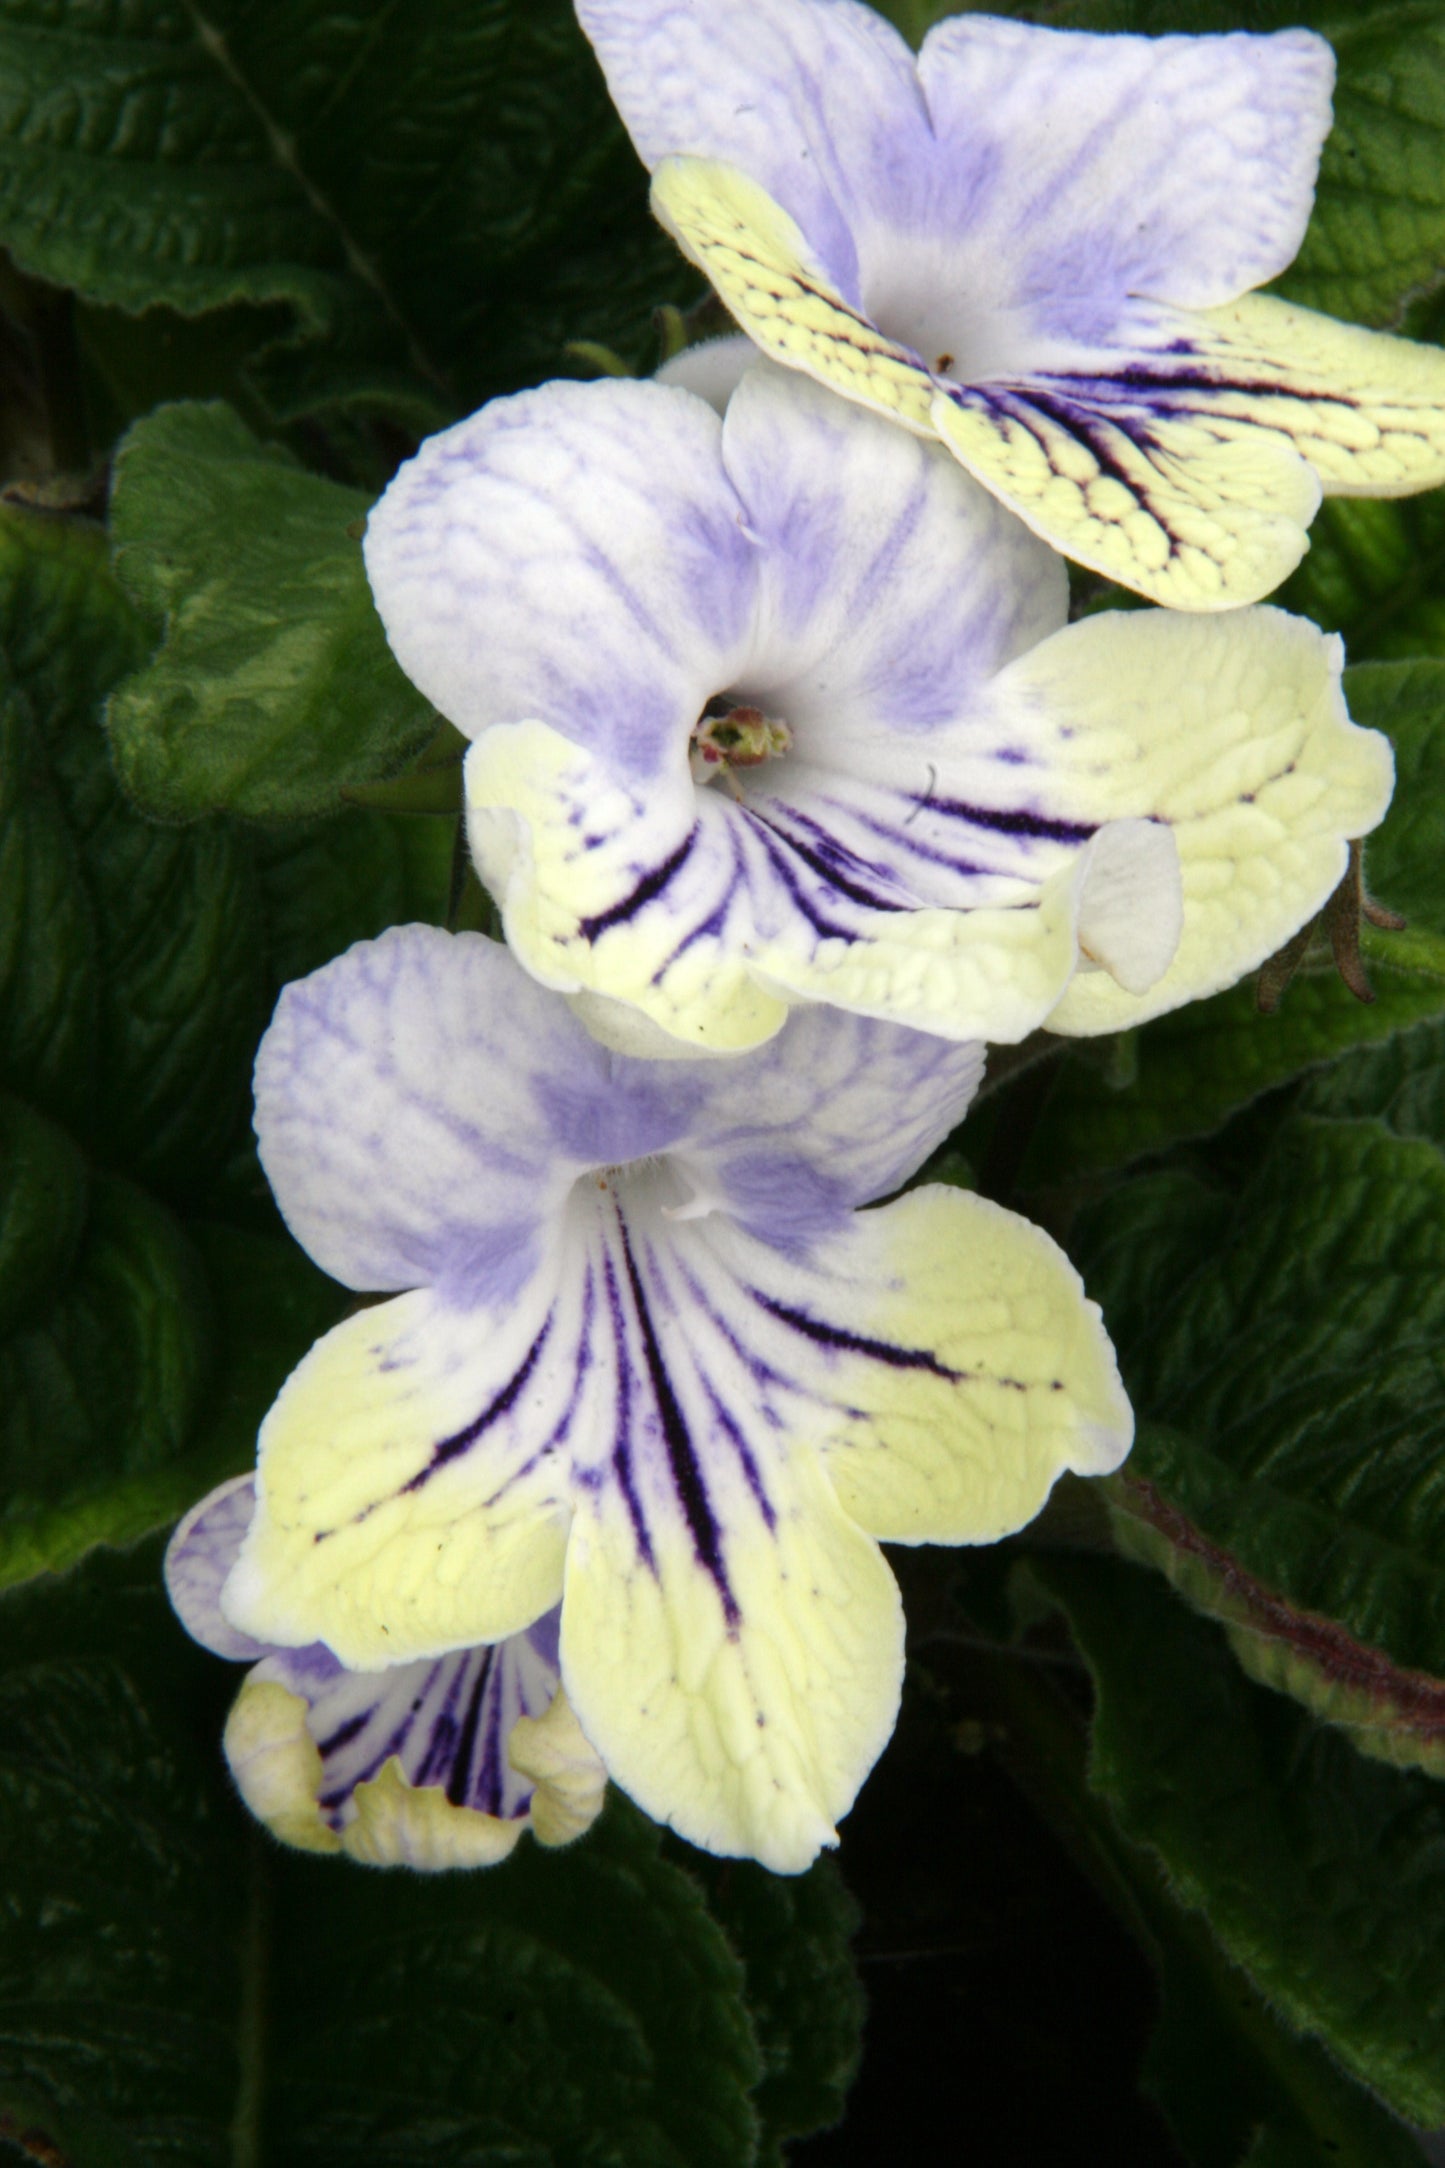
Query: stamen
[[729, 737]]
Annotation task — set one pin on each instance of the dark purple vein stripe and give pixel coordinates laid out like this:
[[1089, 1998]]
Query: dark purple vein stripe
[[647, 889], [682, 1458], [463, 1440]]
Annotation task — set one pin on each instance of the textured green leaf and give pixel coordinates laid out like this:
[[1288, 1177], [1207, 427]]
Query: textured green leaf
[[273, 688], [130, 979], [804, 1995], [44, 1199], [1191, 1070], [1402, 1081], [165, 1971], [105, 1385], [395, 180], [1287, 1348], [1392, 1714], [325, 884], [1316, 1869], [1373, 573]]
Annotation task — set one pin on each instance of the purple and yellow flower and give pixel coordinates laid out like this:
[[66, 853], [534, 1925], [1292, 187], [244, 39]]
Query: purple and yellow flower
[[781, 707], [436, 1764], [1042, 247], [646, 1357]]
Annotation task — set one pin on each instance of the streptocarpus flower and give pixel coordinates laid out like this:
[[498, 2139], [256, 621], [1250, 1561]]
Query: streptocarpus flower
[[651, 1361], [783, 707], [1039, 245], [441, 1763]]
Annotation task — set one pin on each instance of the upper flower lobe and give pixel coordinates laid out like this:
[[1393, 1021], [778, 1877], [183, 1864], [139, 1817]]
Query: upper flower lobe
[[1040, 245], [670, 1375], [940, 799]]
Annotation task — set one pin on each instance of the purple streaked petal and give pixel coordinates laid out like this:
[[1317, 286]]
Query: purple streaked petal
[[890, 585], [199, 1556], [820, 102], [1098, 167], [447, 1721], [422, 1108], [573, 555]]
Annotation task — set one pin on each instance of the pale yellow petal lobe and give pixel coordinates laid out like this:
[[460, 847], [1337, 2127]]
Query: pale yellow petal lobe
[[762, 268]]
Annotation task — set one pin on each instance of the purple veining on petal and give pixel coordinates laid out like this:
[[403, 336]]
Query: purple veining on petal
[[463, 1440], [833, 863], [775, 847], [458, 1782], [852, 1343], [649, 887], [622, 1431], [557, 1436], [746, 1458], [628, 1111], [447, 1720], [687, 1477]]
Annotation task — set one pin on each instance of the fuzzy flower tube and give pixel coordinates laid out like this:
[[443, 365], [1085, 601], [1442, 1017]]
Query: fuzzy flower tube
[[430, 1765], [645, 1357], [1041, 247], [780, 706]]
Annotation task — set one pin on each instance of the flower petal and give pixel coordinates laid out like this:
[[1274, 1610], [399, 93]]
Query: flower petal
[[551, 1752], [1164, 504], [573, 551], [820, 104], [410, 1498], [422, 1108], [1096, 167], [890, 586], [750, 1729], [1365, 410], [769, 278], [411, 1766], [729, 1637], [1235, 733], [941, 1352], [199, 1556], [708, 916]]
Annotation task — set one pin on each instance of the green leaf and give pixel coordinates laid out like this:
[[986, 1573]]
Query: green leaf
[[1287, 1350], [1193, 1069], [1376, 238], [1373, 574], [165, 1972], [1402, 1081], [273, 689], [44, 1202], [1395, 1715], [325, 884], [1313, 1866], [104, 1386], [396, 182], [130, 979], [803, 1991]]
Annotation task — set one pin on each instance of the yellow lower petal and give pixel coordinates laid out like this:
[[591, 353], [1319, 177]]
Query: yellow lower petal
[[767, 277], [404, 1825], [1366, 410], [751, 1736], [570, 1778], [1235, 733], [276, 1765], [352, 1543], [1188, 515], [963, 1365]]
